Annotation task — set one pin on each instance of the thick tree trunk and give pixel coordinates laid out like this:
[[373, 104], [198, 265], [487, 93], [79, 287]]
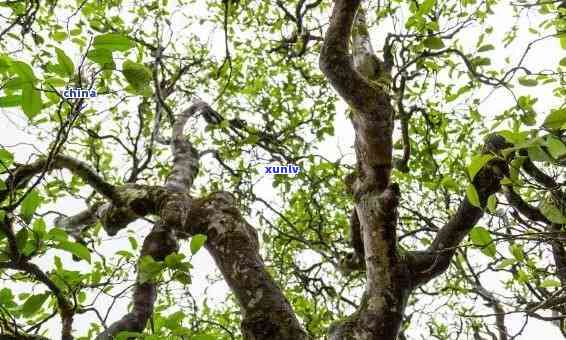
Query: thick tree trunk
[[357, 80], [233, 243]]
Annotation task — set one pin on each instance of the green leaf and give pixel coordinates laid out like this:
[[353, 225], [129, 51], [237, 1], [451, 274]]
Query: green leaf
[[425, 7], [472, 195], [197, 241], [30, 204], [76, 249], [479, 61], [113, 42], [22, 238], [59, 36], [556, 148], [481, 238], [550, 211], [65, 62], [15, 83], [6, 159], [537, 154], [33, 304], [526, 81], [517, 252], [24, 71], [57, 234], [486, 48], [172, 260], [522, 276], [449, 183], [10, 101], [133, 243], [31, 100], [506, 263], [103, 57], [6, 297], [492, 203], [55, 82], [548, 283], [555, 120], [149, 269], [138, 75], [434, 43], [563, 62], [478, 162]]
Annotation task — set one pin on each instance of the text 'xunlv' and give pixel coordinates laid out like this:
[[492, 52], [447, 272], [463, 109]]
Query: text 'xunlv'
[[282, 169]]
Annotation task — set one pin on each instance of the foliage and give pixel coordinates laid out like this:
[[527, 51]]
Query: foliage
[[459, 75]]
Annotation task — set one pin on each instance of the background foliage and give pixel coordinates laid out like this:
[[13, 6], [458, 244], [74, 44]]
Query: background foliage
[[462, 70]]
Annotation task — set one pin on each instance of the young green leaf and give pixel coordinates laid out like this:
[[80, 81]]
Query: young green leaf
[[31, 100], [138, 75], [10, 101], [548, 283], [24, 71], [22, 238], [492, 203], [6, 159], [103, 57], [486, 48], [6, 297], [517, 252], [472, 195], [556, 148], [555, 120], [33, 304], [478, 162], [149, 269], [113, 42], [526, 81], [65, 62], [481, 238], [76, 249], [537, 154], [30, 204], [425, 7], [449, 183], [550, 211], [197, 241], [434, 43]]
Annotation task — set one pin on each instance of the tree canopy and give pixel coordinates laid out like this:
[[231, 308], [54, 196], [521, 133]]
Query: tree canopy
[[430, 138]]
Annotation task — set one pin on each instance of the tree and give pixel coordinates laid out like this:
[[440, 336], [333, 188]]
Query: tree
[[451, 201]]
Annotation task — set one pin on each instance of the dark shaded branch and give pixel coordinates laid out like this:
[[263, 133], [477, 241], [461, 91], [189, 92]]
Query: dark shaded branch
[[20, 176], [517, 202], [66, 309], [159, 243]]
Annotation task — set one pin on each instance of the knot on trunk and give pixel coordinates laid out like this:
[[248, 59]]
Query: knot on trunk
[[175, 209]]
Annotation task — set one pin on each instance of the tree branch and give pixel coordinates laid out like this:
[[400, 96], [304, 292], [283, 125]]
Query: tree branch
[[372, 113], [20, 176], [428, 264], [185, 156], [234, 246]]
